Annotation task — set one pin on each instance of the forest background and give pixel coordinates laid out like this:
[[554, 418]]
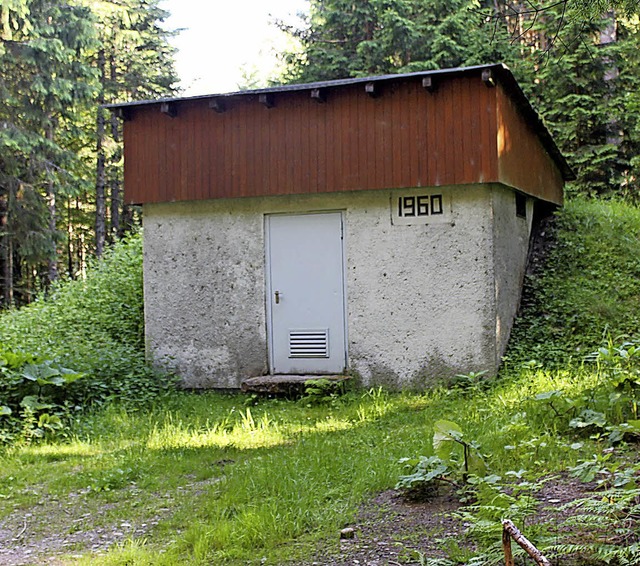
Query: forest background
[[61, 199]]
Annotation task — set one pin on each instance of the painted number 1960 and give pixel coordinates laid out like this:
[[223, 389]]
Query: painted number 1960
[[422, 205]]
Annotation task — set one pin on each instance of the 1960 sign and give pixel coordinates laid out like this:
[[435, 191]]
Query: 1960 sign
[[421, 205], [420, 208]]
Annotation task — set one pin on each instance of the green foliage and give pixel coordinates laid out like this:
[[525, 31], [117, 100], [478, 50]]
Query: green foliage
[[323, 391], [37, 396], [603, 528], [497, 498], [605, 409], [343, 38], [588, 287], [583, 89], [94, 326], [60, 61], [455, 458]]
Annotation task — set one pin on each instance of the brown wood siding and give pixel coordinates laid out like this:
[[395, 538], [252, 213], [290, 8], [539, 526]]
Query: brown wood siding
[[405, 137], [522, 160]]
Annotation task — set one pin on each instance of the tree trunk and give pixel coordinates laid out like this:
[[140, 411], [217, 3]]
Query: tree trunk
[[115, 185], [127, 223], [52, 262], [101, 209], [6, 252], [70, 237], [116, 155], [609, 35], [81, 247]]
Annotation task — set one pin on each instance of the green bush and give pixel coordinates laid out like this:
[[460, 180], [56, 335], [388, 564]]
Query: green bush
[[94, 326]]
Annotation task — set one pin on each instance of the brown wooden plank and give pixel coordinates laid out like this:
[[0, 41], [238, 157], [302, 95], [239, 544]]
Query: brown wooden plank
[[370, 141], [329, 141], [448, 161], [457, 132], [264, 127], [142, 166], [291, 134], [253, 158], [465, 133], [150, 149], [387, 139], [488, 132], [241, 160], [234, 151], [429, 103], [438, 138], [164, 160], [413, 117], [303, 177], [179, 159], [404, 172], [522, 161], [339, 149], [199, 130], [349, 147], [132, 193], [321, 147], [217, 180], [192, 170], [419, 96], [477, 143], [396, 140]]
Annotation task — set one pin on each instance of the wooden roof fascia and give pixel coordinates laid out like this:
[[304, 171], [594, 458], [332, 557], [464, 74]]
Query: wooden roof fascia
[[490, 74]]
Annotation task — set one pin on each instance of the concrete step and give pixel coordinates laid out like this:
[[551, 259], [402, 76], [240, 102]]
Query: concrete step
[[284, 384]]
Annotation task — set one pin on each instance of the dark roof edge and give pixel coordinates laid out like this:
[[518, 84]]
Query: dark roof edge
[[502, 73]]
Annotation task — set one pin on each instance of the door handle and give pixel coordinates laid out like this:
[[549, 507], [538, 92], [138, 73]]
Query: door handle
[[278, 297]]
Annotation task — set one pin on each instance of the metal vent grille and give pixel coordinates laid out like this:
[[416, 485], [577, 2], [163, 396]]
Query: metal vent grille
[[309, 343]]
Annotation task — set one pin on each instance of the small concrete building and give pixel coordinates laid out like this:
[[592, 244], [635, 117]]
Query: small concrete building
[[377, 226]]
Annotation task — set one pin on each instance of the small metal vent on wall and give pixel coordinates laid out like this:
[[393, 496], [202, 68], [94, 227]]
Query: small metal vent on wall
[[309, 343]]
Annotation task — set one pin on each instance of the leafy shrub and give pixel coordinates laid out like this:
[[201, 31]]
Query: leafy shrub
[[96, 327], [36, 395], [606, 408], [455, 458]]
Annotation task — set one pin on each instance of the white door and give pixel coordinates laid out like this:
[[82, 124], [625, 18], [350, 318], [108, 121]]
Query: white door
[[305, 293]]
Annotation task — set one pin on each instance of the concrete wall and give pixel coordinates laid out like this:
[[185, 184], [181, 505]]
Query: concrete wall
[[423, 299], [511, 236]]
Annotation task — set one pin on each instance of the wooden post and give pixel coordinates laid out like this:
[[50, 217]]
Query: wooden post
[[510, 530], [506, 547]]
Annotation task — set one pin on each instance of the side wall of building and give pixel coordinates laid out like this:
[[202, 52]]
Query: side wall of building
[[511, 235], [422, 297]]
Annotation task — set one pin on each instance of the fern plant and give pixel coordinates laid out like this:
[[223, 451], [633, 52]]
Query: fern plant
[[603, 528]]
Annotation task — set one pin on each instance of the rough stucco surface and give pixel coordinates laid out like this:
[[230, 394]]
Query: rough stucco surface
[[511, 246], [421, 300], [204, 291]]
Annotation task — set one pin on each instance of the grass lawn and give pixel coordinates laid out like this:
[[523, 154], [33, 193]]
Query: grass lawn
[[214, 478]]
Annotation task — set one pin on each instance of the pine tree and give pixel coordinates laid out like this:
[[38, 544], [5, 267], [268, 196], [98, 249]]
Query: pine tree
[[51, 86], [344, 38], [45, 80], [134, 61]]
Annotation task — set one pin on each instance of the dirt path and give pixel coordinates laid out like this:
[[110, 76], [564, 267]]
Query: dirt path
[[389, 531]]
